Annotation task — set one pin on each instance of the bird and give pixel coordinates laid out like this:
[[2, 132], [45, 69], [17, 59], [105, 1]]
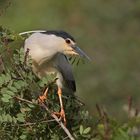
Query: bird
[[49, 50]]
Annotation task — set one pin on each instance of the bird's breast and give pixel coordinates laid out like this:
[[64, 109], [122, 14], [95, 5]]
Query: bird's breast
[[47, 69]]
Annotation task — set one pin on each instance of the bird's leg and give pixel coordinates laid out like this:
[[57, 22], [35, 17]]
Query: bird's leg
[[62, 112], [42, 98]]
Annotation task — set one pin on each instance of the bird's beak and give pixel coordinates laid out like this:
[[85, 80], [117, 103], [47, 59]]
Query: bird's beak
[[81, 53]]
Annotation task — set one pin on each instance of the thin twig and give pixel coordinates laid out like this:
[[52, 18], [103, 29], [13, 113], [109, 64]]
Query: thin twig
[[29, 123], [24, 100], [52, 114], [66, 138]]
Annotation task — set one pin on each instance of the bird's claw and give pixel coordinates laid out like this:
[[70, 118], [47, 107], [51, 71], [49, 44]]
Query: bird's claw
[[42, 98], [61, 115]]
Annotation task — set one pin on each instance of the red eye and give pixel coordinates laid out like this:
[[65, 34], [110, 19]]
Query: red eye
[[68, 41]]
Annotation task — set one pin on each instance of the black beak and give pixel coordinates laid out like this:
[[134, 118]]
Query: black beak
[[81, 53]]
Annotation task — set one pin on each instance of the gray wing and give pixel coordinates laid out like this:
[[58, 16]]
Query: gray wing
[[65, 68]]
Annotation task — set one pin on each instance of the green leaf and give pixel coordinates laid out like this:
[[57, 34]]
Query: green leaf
[[2, 79], [12, 89], [123, 133], [81, 129], [20, 84], [31, 105], [10, 93], [14, 120], [20, 117], [3, 90], [9, 118], [7, 78], [5, 119], [87, 130], [6, 98], [23, 137]]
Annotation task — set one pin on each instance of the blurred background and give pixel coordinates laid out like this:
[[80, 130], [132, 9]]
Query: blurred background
[[108, 31]]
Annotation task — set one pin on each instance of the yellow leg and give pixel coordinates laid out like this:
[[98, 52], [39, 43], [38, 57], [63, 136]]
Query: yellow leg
[[43, 97], [62, 112]]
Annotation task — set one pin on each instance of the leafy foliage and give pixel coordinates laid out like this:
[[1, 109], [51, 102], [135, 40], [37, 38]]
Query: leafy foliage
[[21, 117]]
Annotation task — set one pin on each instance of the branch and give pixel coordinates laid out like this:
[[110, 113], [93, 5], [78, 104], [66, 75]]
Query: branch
[[24, 100], [58, 121], [29, 123], [52, 114]]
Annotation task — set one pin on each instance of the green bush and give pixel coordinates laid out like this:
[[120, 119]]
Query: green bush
[[22, 117]]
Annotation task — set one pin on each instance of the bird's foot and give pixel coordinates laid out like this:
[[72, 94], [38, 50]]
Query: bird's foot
[[42, 98], [61, 115]]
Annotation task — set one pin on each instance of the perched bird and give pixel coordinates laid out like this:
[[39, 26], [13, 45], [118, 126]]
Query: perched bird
[[48, 50]]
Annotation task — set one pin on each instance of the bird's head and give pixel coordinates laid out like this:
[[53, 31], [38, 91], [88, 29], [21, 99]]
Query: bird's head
[[65, 43], [43, 45]]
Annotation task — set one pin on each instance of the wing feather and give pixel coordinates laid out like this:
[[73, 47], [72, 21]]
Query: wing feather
[[65, 68]]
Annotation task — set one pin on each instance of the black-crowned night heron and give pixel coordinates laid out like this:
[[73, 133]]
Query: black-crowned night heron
[[48, 50]]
